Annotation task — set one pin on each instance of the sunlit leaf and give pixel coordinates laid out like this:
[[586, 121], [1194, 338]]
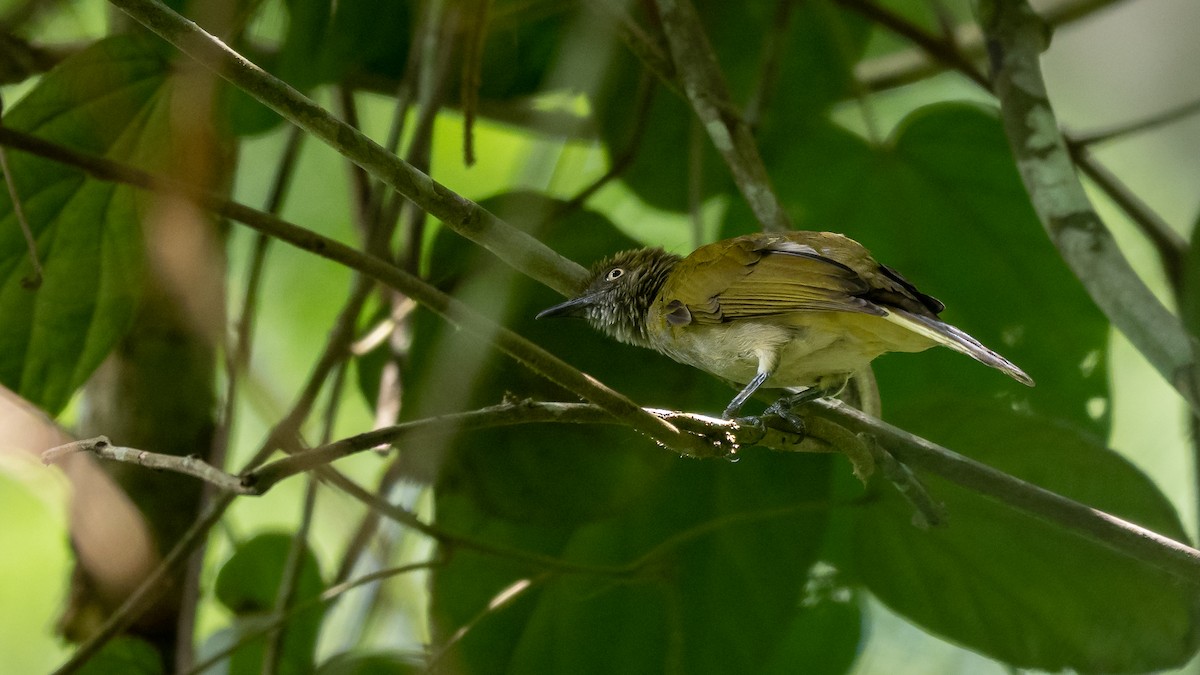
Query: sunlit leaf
[[108, 100]]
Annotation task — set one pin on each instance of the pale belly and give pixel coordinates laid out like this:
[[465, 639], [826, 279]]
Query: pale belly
[[806, 350]]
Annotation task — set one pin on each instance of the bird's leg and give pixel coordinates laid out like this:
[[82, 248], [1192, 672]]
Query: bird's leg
[[738, 401]]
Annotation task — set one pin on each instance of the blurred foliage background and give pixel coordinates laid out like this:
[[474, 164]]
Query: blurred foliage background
[[753, 566]]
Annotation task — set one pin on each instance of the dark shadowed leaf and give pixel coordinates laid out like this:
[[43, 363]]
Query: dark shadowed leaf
[[349, 663], [822, 638], [126, 655], [1016, 588], [248, 584]]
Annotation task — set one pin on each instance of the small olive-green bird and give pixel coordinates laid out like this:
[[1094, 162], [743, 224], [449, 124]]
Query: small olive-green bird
[[780, 310]]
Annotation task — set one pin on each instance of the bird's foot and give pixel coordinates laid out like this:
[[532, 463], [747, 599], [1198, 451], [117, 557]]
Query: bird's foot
[[784, 410]]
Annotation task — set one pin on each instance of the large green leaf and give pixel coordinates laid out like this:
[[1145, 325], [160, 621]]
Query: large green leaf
[[725, 550], [1014, 587], [734, 541], [942, 203], [108, 100]]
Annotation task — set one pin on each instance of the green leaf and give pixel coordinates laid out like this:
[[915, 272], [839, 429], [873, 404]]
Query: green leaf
[[126, 655], [248, 584], [943, 204], [729, 543], [1013, 587], [706, 574], [249, 580], [822, 639], [108, 100]]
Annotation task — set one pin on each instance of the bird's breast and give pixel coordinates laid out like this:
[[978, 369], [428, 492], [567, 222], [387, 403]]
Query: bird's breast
[[805, 347]]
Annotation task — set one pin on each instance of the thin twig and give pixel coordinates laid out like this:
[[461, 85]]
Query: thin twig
[[237, 358], [942, 51], [621, 163], [146, 592], [907, 66], [499, 602], [191, 465], [329, 595], [654, 55], [34, 280], [292, 567], [475, 24], [1149, 123], [1171, 247], [773, 51]]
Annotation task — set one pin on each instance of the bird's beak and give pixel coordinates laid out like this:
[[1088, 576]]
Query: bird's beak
[[575, 307]]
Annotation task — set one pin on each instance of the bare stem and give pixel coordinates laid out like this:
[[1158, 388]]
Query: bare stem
[[35, 278]]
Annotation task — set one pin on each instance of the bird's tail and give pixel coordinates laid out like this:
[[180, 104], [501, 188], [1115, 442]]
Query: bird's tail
[[949, 336]]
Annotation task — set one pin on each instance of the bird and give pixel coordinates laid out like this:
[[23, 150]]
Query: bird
[[797, 310]]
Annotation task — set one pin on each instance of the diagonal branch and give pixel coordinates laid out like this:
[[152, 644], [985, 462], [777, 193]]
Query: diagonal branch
[[1137, 542], [514, 247], [706, 89], [1016, 37], [821, 417], [522, 350], [912, 65]]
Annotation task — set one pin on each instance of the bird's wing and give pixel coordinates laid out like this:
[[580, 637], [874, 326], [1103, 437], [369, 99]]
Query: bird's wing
[[761, 276]]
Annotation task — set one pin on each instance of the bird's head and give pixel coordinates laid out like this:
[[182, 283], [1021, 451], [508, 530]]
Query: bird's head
[[619, 292]]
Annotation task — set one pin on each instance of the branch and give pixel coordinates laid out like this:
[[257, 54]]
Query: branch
[[911, 65], [1137, 542], [191, 465], [129, 611], [825, 419], [728, 435], [1016, 38], [516, 248], [943, 52], [1171, 247], [706, 89], [532, 356], [1148, 123]]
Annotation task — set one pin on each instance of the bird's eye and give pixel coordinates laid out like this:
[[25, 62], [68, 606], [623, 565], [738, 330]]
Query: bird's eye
[[614, 274]]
